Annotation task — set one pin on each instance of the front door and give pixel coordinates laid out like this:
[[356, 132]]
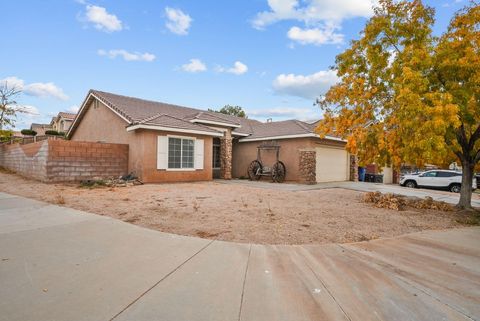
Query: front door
[[216, 158]]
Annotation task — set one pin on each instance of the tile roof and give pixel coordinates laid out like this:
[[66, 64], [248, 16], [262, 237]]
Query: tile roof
[[65, 115], [174, 122], [138, 111], [212, 116], [135, 110], [280, 128]]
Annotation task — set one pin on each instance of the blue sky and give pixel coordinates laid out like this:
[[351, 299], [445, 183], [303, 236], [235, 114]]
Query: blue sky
[[270, 57]]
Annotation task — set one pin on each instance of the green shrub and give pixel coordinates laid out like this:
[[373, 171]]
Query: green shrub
[[5, 135], [28, 132], [52, 132]]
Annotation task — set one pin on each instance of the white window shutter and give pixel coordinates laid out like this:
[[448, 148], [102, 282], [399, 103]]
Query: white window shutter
[[199, 147], [162, 152]]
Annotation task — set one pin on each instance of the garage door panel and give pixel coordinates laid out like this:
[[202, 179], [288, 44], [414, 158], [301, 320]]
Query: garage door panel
[[332, 164]]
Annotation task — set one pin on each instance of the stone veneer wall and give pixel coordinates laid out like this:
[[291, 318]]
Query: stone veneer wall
[[226, 156], [65, 161], [354, 168], [307, 166]]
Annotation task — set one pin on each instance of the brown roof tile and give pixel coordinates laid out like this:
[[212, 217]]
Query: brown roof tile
[[141, 111], [65, 115], [175, 123]]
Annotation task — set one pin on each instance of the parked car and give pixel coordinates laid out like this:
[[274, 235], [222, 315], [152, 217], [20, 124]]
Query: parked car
[[439, 179]]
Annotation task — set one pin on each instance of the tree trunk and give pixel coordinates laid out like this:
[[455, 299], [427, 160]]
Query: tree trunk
[[465, 201]]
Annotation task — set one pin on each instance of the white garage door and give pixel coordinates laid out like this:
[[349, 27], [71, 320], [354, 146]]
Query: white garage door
[[332, 165]]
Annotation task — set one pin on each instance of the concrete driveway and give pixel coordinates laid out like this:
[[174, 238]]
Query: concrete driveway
[[63, 264], [438, 195]]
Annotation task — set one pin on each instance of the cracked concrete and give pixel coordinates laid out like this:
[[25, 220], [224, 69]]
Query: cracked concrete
[[61, 264]]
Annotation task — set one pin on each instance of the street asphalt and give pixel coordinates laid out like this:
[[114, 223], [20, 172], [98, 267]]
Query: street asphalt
[[62, 264]]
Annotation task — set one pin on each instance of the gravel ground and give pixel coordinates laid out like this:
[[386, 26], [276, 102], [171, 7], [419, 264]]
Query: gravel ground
[[239, 213]]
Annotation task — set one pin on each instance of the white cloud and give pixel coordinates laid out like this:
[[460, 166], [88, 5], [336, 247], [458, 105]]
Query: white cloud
[[315, 36], [195, 65], [73, 109], [45, 90], [321, 17], [38, 89], [280, 113], [238, 68], [103, 20], [308, 87], [314, 11], [127, 56], [29, 111], [178, 21], [12, 82]]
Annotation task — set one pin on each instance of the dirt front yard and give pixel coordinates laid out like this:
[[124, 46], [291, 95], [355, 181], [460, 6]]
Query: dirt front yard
[[239, 213]]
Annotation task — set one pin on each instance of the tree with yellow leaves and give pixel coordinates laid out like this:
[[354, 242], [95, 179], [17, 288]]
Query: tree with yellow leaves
[[405, 96]]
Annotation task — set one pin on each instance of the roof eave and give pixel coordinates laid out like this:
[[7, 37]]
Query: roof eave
[[81, 112], [210, 122], [173, 129], [244, 140]]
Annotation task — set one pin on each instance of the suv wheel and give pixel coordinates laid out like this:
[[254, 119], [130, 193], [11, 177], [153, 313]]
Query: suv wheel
[[410, 184], [455, 188]]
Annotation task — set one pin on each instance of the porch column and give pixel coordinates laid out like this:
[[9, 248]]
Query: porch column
[[226, 155], [308, 166]]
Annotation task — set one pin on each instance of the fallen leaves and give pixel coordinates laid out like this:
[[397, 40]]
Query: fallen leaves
[[400, 203]]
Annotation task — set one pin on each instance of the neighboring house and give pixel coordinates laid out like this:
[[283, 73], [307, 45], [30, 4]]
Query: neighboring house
[[62, 122], [169, 143], [40, 128]]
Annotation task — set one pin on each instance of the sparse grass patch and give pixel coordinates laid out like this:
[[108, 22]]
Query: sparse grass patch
[[132, 219], [206, 235], [196, 206], [59, 199], [6, 170], [469, 217], [90, 183]]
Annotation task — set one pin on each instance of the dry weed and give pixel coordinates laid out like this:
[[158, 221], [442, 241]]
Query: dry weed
[[400, 203], [59, 199], [196, 206]]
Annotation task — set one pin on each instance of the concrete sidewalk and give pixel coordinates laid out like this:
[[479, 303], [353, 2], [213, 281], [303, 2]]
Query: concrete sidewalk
[[62, 264], [437, 195]]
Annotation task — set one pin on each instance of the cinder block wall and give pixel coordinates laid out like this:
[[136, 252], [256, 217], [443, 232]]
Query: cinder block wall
[[29, 160], [65, 161]]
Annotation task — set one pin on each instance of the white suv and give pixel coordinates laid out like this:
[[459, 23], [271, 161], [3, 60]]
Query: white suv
[[441, 179]]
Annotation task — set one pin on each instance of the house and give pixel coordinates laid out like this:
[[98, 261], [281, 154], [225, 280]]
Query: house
[[169, 143], [40, 129], [62, 122]]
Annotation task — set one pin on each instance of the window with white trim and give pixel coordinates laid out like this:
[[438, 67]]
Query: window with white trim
[[181, 152]]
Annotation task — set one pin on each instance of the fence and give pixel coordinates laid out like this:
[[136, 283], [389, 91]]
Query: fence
[[55, 160], [28, 139]]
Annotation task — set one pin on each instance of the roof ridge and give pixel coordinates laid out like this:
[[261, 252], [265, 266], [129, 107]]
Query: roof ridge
[[225, 119], [213, 114], [150, 118], [98, 94], [147, 100], [301, 124]]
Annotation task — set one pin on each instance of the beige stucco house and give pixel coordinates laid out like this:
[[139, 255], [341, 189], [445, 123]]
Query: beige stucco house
[[169, 143], [62, 122], [40, 129]]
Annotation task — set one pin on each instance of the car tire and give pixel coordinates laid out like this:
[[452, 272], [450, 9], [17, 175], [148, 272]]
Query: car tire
[[410, 184], [455, 188]]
